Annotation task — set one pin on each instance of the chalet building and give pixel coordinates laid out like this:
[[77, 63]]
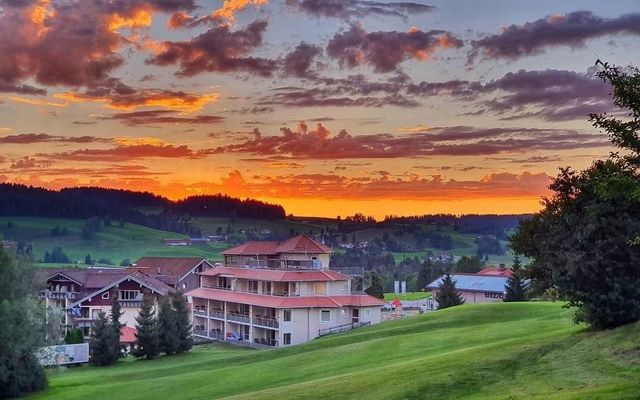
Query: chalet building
[[274, 294], [82, 293], [181, 273], [474, 288]]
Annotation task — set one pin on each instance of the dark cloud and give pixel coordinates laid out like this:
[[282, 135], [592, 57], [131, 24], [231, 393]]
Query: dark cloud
[[22, 89], [552, 95], [299, 62], [30, 138], [331, 97], [28, 163], [386, 50], [121, 153], [162, 117], [572, 29], [218, 50], [460, 140], [347, 9], [71, 43]]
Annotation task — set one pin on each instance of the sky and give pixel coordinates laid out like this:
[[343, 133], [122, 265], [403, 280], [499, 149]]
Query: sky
[[328, 107]]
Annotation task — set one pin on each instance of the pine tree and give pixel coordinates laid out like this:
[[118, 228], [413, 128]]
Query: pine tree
[[183, 326], [22, 329], [103, 352], [515, 288], [147, 336], [448, 295], [116, 325], [167, 326]]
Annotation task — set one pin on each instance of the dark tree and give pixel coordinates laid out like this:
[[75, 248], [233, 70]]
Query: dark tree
[[21, 329], [183, 325], [584, 241], [116, 313], [147, 336], [469, 264], [376, 289], [168, 328], [103, 351], [448, 295], [515, 289]]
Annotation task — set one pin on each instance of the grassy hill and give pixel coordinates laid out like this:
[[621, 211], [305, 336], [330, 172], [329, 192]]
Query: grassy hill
[[497, 351], [112, 242]]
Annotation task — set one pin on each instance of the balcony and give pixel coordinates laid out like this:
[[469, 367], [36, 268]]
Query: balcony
[[217, 287], [200, 311], [237, 317], [130, 303], [265, 322], [50, 294], [219, 314]]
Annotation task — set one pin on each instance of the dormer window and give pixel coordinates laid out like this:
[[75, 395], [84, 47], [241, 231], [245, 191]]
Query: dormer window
[[105, 296]]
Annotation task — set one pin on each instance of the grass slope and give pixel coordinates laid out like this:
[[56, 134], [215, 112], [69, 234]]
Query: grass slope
[[505, 351], [114, 243]]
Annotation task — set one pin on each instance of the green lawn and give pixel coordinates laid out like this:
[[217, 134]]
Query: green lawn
[[114, 243], [409, 296], [496, 351]]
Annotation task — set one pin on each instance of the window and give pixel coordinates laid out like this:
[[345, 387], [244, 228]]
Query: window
[[286, 315], [129, 295], [105, 296], [325, 316], [266, 287], [320, 287], [286, 339], [253, 286], [343, 312]]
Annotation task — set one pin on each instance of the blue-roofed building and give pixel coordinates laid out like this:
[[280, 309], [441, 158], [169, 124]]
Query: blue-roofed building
[[474, 288]]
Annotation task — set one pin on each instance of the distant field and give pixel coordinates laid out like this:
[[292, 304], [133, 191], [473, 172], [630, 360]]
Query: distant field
[[409, 296], [493, 351], [114, 243]]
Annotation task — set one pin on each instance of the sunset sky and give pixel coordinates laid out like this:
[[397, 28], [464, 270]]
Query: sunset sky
[[328, 107]]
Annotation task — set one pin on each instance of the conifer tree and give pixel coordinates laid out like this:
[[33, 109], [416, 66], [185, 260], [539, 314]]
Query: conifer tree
[[147, 336], [183, 325], [375, 289], [103, 352], [116, 313], [448, 295], [22, 329], [515, 289], [168, 328]]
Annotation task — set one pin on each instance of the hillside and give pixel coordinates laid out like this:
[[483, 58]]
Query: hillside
[[113, 242], [503, 350]]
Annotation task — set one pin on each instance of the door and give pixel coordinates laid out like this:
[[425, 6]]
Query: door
[[355, 316]]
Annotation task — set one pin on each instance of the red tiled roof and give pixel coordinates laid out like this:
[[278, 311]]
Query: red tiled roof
[[276, 275], [496, 272], [299, 244], [167, 266], [285, 302], [128, 334]]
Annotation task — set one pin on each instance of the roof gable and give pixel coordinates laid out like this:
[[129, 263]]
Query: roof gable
[[174, 267], [301, 244]]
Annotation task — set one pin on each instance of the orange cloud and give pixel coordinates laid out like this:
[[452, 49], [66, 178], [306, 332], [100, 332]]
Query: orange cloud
[[231, 7], [138, 19], [184, 101]]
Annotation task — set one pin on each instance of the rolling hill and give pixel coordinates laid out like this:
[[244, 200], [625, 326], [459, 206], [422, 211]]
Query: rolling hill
[[495, 351]]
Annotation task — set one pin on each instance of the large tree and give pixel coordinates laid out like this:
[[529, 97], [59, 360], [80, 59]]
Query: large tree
[[515, 289], [147, 336], [103, 351], [376, 289], [584, 241], [183, 324], [168, 328], [116, 325], [22, 329], [448, 295]]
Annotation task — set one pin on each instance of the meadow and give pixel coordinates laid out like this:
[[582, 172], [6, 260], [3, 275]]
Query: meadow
[[495, 351]]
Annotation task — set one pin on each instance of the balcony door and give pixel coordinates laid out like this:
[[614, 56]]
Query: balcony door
[[355, 316]]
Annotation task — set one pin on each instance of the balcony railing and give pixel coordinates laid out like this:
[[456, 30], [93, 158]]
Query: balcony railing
[[260, 342], [342, 328], [130, 303], [200, 312], [57, 295], [266, 321], [216, 314], [237, 317]]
